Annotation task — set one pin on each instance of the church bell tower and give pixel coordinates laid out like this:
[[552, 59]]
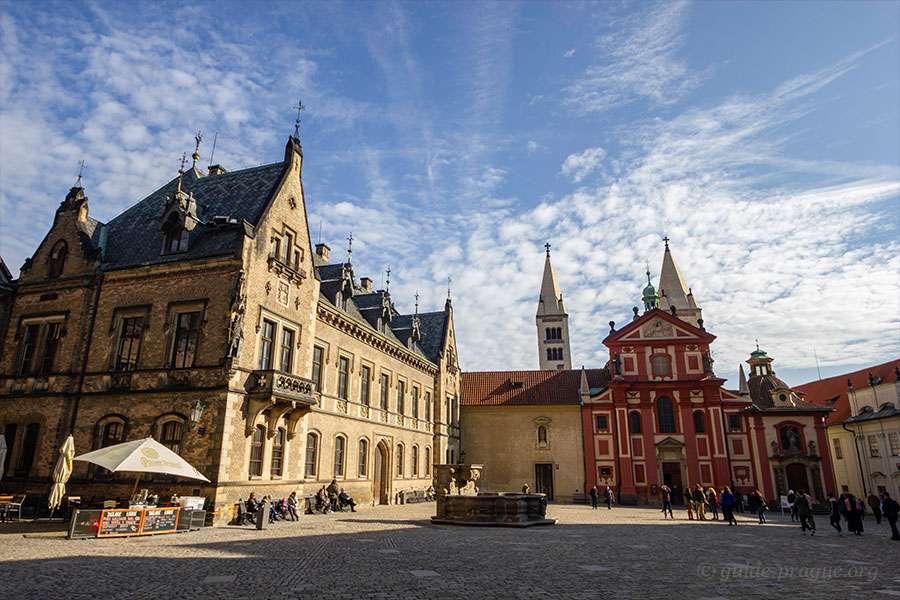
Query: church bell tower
[[552, 323]]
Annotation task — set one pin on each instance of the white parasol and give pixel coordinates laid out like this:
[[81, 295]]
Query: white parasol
[[61, 473]]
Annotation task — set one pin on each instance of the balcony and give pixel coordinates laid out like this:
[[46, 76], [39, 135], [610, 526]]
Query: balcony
[[281, 394], [292, 273]]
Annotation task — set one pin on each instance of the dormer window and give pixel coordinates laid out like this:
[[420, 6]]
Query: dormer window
[[176, 236], [58, 258]]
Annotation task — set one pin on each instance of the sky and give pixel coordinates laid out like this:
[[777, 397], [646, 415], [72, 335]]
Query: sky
[[453, 140]]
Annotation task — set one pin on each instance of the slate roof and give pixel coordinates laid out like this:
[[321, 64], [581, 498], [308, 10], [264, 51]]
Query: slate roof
[[133, 237], [832, 391], [518, 388], [868, 414], [761, 388]]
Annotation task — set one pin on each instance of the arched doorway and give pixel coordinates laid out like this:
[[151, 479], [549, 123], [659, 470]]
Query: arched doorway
[[382, 474], [797, 478]]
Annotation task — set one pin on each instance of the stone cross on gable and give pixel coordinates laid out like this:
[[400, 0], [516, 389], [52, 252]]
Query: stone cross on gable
[[666, 240], [547, 246]]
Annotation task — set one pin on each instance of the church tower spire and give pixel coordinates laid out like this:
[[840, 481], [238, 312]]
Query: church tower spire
[[673, 291], [552, 322]]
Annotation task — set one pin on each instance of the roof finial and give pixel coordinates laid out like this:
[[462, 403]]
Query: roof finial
[[417, 303], [666, 240], [299, 107], [387, 282], [757, 343], [449, 281], [349, 247], [547, 246], [80, 171], [648, 271], [181, 170], [196, 156]]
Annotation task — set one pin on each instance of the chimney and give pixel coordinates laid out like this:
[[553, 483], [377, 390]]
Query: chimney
[[322, 250], [216, 170], [366, 284]]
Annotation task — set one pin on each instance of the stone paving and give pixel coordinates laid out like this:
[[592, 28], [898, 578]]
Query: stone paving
[[395, 552]]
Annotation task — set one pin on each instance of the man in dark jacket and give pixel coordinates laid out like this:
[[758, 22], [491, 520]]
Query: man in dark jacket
[[803, 507], [595, 497], [835, 517], [791, 498], [699, 499], [874, 503], [891, 509], [333, 492], [609, 496]]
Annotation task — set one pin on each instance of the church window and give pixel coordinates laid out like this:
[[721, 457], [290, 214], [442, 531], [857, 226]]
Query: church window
[[340, 445], [129, 344], [187, 332], [343, 376], [541, 435], [265, 345], [317, 367], [874, 451], [312, 451], [602, 422], [635, 422], [660, 363], [58, 258], [699, 425], [838, 451], [665, 415]]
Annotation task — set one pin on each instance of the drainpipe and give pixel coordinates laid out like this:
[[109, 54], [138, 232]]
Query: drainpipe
[[858, 460], [87, 348]]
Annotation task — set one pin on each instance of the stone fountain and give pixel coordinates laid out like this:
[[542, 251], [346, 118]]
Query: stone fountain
[[460, 503]]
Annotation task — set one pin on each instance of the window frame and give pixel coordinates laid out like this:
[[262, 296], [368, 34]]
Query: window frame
[[343, 388], [267, 336], [286, 355], [311, 455], [699, 421], [427, 461], [362, 459], [427, 406], [162, 423], [399, 457], [318, 361], [276, 461], [837, 448], [31, 437], [385, 391], [659, 360], [134, 341], [874, 449], [634, 418], [601, 425], [414, 402], [340, 456], [57, 259], [414, 464], [365, 375], [401, 397], [671, 423], [257, 451], [191, 332]]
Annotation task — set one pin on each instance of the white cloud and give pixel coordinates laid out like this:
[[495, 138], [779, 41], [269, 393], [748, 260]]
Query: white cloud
[[569, 53], [578, 166]]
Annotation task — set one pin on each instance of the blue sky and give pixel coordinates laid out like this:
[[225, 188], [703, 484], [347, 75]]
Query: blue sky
[[455, 139]]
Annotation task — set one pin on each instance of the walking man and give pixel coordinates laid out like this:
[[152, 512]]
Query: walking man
[[666, 495], [803, 506], [874, 503], [595, 497], [891, 509], [727, 501], [835, 517], [699, 502], [609, 497]]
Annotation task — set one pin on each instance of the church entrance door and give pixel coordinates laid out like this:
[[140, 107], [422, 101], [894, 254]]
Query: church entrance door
[[796, 477], [381, 475], [671, 475], [543, 479]]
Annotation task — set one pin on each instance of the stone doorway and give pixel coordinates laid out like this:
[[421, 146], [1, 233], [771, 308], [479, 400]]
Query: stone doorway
[[797, 477], [543, 479], [381, 474], [671, 476]]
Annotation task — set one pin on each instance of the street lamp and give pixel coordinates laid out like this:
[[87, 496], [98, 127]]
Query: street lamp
[[196, 412]]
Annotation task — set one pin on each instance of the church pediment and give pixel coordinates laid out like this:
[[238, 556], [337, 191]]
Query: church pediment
[[658, 324], [669, 442]]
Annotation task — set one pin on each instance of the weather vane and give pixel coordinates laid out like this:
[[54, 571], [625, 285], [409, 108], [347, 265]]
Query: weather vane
[[299, 107], [449, 281], [349, 247], [196, 156], [387, 285], [80, 171]]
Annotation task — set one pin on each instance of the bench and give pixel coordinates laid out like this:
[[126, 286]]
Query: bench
[[311, 506], [14, 506], [413, 496], [580, 498]]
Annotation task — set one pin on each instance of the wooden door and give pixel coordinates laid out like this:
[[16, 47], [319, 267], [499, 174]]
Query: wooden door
[[543, 479]]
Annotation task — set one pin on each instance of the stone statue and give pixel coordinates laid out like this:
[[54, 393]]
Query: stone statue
[[793, 438], [774, 448], [708, 363], [812, 448], [236, 319], [617, 365]]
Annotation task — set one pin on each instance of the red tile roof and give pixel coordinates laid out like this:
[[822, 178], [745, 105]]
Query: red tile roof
[[824, 392], [508, 388]]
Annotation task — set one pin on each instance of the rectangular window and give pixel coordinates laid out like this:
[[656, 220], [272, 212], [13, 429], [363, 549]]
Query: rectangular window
[[276, 246], [29, 348], [288, 248], [401, 393], [894, 442], [364, 378], [602, 423], [51, 343], [734, 421], [838, 453], [415, 402], [343, 373], [312, 449], [428, 406], [340, 444], [277, 452], [287, 349], [187, 332], [129, 344], [874, 452], [385, 383], [660, 364], [317, 368], [256, 450], [266, 337]]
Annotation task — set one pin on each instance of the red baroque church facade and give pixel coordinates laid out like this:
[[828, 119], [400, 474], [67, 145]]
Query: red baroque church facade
[[664, 417]]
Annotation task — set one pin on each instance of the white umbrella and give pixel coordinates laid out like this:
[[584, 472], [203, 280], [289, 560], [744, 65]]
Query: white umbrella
[[61, 473], [2, 454], [142, 456]]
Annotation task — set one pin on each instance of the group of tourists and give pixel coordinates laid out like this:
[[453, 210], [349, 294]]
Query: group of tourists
[[697, 501], [853, 510], [609, 497], [327, 499], [332, 498]]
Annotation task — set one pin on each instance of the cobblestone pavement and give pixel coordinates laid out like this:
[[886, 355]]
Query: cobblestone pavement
[[395, 552]]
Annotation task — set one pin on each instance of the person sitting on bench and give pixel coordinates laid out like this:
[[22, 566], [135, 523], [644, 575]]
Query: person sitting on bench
[[322, 501], [345, 500], [252, 507]]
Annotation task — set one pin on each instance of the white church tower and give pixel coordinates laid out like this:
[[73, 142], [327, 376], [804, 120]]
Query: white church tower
[[552, 323]]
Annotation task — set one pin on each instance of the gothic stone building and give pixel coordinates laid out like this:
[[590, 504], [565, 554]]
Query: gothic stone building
[[208, 291]]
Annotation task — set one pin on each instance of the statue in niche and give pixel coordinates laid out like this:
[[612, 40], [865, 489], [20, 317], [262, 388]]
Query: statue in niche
[[617, 365], [708, 362], [236, 319], [790, 438]]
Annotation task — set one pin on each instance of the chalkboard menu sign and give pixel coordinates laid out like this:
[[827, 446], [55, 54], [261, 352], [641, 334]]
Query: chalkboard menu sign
[[117, 523], [159, 520]]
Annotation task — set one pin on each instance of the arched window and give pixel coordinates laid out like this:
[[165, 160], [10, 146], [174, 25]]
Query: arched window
[[58, 258], [111, 431], [312, 451], [660, 364], [665, 415], [549, 353], [427, 460], [414, 457], [542, 434], [277, 452], [29, 446], [363, 457], [256, 450], [171, 432], [399, 460], [340, 445], [699, 426], [635, 419]]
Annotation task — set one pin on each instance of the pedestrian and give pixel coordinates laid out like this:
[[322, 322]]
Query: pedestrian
[[757, 503], [875, 504], [727, 501], [666, 494], [595, 497], [525, 489], [688, 502], [803, 505], [333, 492], [292, 506], [609, 497], [699, 499], [791, 497], [891, 509], [739, 500], [853, 511], [835, 517], [713, 500]]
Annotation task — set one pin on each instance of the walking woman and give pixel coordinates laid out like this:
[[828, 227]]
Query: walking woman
[[688, 502], [713, 501], [853, 510], [727, 501]]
